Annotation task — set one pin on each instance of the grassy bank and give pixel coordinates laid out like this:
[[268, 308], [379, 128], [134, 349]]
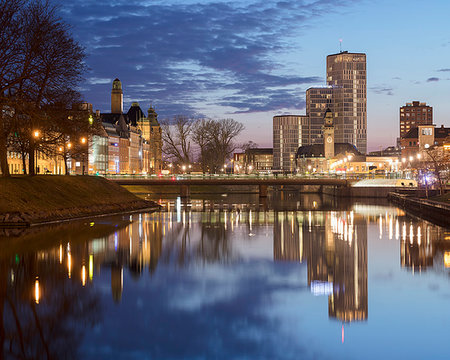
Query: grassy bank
[[47, 198], [442, 198]]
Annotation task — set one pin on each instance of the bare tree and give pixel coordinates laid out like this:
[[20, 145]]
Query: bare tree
[[437, 161], [176, 136], [201, 136], [215, 141], [46, 61], [223, 133]]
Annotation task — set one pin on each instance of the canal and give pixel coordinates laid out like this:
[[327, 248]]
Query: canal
[[229, 277]]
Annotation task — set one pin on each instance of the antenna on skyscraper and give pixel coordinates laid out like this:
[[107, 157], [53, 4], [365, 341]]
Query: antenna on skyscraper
[[340, 45]]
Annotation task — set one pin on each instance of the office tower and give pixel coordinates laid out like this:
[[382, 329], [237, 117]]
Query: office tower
[[318, 100], [289, 133], [414, 114], [346, 74]]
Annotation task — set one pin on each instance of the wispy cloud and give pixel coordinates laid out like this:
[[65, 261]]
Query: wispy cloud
[[382, 90], [432, 79], [193, 55], [444, 70]]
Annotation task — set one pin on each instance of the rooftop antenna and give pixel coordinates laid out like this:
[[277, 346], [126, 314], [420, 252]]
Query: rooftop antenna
[[340, 45]]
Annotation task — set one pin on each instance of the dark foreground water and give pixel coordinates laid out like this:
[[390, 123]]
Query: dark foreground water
[[229, 278]]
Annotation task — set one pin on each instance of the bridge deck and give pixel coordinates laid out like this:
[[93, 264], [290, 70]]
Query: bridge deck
[[233, 181]]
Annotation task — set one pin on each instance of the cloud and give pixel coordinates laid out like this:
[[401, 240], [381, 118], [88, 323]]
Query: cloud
[[382, 90], [192, 56], [444, 70], [229, 318], [432, 79]]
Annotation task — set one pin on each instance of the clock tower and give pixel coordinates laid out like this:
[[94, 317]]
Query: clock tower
[[117, 97], [328, 134]]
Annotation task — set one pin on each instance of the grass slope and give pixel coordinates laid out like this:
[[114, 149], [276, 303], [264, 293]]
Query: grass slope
[[48, 193]]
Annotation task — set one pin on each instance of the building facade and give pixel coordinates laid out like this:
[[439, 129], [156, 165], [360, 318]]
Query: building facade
[[289, 133], [259, 159], [346, 74], [138, 137], [318, 100], [422, 137], [414, 114]]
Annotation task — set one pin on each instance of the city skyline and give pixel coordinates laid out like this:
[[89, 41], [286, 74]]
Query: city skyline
[[251, 61]]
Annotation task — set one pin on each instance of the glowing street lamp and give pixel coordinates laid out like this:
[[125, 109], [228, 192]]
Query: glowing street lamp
[[83, 141], [36, 133], [37, 293]]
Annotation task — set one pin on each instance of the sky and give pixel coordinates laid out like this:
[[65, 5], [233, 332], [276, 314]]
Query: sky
[[250, 60]]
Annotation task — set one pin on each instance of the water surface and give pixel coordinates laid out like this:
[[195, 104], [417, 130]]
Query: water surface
[[229, 278]]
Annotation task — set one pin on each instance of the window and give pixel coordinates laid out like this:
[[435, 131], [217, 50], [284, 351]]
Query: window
[[427, 131]]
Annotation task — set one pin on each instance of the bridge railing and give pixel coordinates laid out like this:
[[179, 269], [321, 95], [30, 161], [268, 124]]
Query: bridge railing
[[252, 176]]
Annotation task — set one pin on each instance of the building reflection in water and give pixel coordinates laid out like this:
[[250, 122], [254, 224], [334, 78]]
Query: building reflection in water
[[334, 246], [332, 243], [423, 246]]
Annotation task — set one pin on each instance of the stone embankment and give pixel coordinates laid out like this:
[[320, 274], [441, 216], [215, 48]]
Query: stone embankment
[[436, 212]]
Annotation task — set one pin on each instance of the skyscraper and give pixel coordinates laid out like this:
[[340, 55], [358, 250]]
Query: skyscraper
[[289, 133], [414, 114], [318, 100], [346, 74]]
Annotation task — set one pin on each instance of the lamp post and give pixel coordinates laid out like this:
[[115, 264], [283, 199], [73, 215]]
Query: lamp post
[[83, 142], [36, 135]]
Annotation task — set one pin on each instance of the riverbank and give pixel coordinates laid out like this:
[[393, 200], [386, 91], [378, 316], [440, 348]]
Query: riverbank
[[26, 201], [435, 211]]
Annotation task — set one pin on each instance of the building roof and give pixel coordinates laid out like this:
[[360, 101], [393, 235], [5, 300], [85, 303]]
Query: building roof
[[277, 116], [440, 132], [135, 114], [347, 53], [316, 150], [264, 151], [113, 118]]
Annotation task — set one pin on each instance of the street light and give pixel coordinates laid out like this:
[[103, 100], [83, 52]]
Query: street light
[[83, 141], [36, 134]]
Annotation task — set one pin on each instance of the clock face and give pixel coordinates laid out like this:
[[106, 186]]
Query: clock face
[[329, 139]]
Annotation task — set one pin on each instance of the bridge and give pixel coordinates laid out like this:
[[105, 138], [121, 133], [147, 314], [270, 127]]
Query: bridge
[[262, 182]]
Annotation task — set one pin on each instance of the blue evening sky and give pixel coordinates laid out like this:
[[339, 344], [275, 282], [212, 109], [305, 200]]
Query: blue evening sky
[[251, 60]]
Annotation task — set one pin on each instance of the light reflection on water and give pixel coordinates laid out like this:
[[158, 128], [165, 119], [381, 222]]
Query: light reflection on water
[[277, 279]]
